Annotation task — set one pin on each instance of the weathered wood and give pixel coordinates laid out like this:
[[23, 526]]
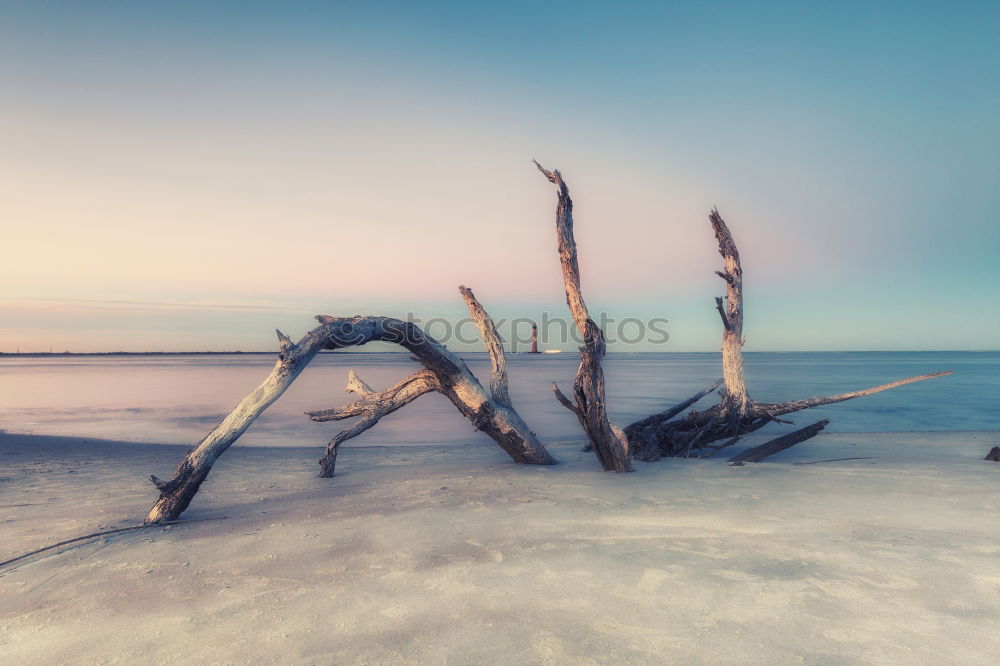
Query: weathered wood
[[817, 462], [736, 414], [176, 494], [993, 455], [726, 444], [734, 400], [502, 424], [668, 414], [374, 405], [371, 406], [494, 345], [563, 400], [607, 439], [94, 535], [779, 408], [767, 449]]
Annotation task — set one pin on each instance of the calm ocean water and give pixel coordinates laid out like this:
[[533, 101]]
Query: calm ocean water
[[177, 399]]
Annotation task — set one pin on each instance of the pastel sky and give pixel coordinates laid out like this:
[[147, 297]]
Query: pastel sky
[[189, 175]]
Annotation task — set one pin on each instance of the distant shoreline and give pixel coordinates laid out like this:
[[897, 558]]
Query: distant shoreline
[[340, 351], [157, 353]]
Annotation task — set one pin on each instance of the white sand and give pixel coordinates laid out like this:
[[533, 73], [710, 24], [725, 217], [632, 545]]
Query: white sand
[[437, 555]]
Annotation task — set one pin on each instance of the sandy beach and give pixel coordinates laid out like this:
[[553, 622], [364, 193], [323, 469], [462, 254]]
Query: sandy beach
[[439, 554]]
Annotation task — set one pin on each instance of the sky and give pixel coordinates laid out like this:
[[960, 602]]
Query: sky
[[190, 176]]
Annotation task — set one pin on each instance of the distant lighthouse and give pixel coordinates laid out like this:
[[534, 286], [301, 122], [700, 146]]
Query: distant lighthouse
[[534, 339]]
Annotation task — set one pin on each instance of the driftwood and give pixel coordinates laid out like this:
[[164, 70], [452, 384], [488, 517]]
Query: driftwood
[[993, 455], [95, 535], [817, 462], [372, 406], [736, 414], [499, 421], [659, 435], [667, 433], [642, 434], [462, 388], [608, 441], [767, 449]]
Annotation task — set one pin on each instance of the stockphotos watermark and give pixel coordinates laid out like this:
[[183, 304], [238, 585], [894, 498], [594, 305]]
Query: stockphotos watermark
[[518, 333]]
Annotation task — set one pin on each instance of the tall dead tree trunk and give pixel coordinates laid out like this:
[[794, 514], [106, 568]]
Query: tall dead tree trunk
[[736, 414], [734, 400], [607, 439], [499, 421]]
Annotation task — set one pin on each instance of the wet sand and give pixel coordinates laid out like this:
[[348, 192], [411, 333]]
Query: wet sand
[[434, 554]]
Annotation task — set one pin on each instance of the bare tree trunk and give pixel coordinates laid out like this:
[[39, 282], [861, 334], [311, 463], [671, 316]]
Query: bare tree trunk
[[736, 414], [501, 423], [758, 453], [607, 439], [735, 400]]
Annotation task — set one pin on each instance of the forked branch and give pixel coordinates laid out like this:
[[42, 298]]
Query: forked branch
[[371, 406]]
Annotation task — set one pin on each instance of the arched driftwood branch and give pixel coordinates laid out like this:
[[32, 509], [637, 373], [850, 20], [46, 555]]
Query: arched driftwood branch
[[504, 419], [500, 422], [607, 439]]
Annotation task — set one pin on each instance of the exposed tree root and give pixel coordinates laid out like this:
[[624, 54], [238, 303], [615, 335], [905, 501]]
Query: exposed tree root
[[736, 414]]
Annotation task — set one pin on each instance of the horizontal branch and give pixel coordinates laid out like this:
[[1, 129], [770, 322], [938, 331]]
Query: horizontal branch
[[779, 408], [385, 402], [372, 406], [767, 449]]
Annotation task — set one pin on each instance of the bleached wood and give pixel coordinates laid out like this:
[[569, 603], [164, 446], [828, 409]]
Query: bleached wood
[[371, 406], [736, 414], [778, 444], [607, 439], [779, 408], [501, 423], [494, 345], [735, 398]]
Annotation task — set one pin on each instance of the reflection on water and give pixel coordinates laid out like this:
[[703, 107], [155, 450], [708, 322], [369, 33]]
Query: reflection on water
[[177, 399]]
